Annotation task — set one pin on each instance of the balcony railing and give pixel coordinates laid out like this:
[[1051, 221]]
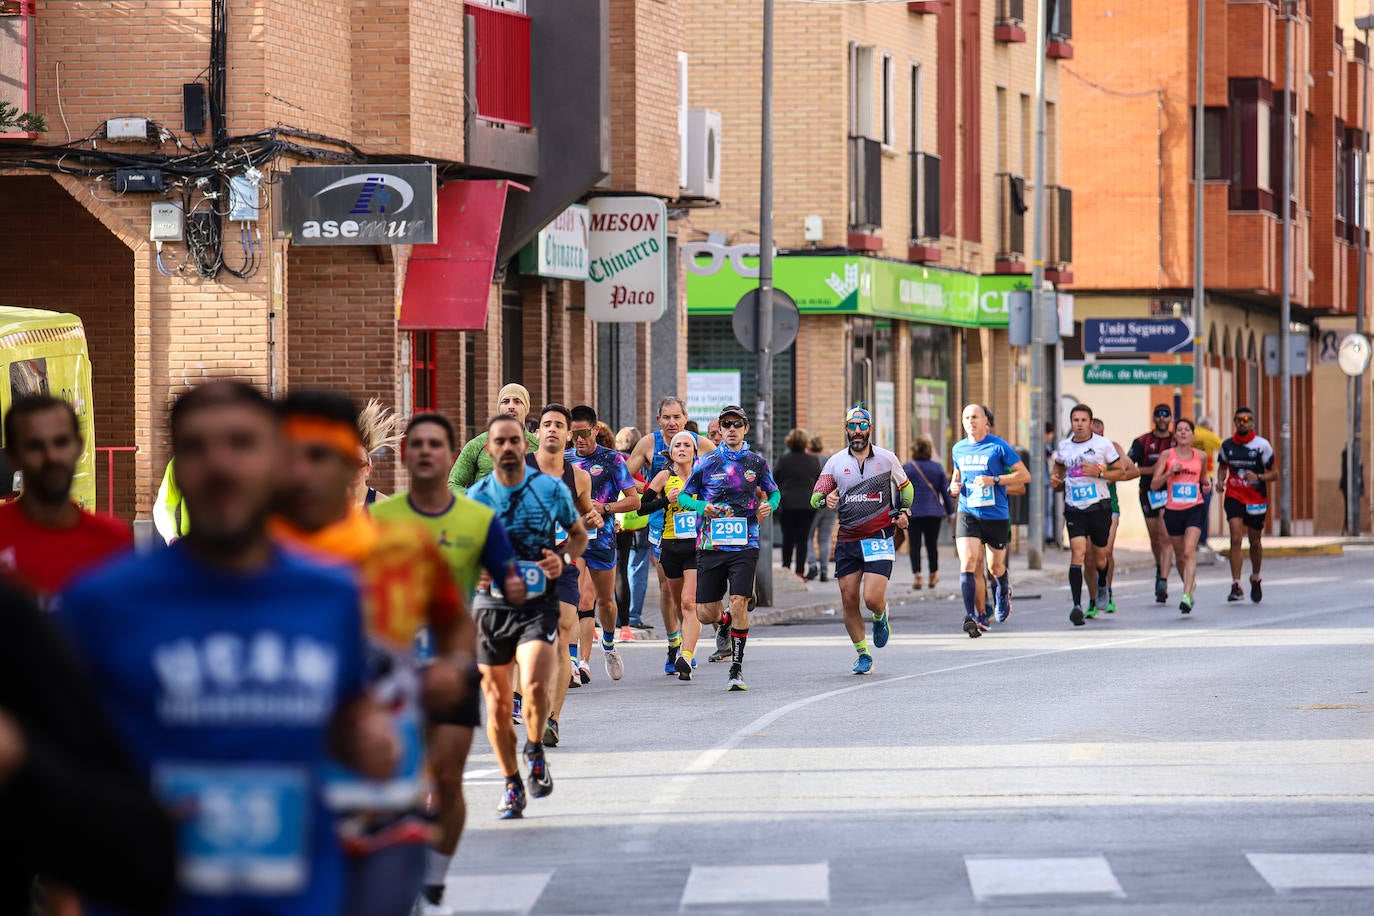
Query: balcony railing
[[502, 72], [1059, 226], [1011, 11], [1060, 19], [1010, 24], [1011, 216], [865, 183], [925, 196]]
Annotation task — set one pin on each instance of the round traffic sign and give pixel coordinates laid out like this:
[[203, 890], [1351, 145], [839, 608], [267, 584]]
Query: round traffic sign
[[786, 321], [1353, 356]]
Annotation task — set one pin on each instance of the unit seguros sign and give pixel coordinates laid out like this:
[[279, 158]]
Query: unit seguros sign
[[360, 204]]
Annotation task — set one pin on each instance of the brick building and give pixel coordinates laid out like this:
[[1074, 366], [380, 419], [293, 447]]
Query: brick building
[[904, 139], [517, 104], [1134, 81]]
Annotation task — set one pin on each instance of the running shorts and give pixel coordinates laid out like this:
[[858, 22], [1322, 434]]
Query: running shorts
[[677, 556], [501, 628], [849, 559], [599, 558], [1234, 508], [993, 532], [719, 569], [1093, 523], [1177, 521], [568, 592]]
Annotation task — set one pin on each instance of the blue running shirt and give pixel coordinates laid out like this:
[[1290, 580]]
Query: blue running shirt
[[731, 479], [992, 457], [610, 477]]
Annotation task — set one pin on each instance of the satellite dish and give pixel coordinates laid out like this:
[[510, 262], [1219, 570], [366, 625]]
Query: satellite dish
[[1353, 356]]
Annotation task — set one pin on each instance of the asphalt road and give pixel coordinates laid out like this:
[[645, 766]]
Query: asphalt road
[[1221, 762]]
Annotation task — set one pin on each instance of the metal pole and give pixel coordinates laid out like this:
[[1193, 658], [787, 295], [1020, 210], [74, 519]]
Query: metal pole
[[1356, 450], [1036, 491], [763, 579], [1199, 204], [1285, 300]]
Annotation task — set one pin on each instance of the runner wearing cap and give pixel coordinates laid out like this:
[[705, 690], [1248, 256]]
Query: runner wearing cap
[[1145, 452], [858, 483], [724, 488]]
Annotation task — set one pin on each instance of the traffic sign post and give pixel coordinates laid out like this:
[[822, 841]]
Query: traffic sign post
[[1137, 335], [1353, 358], [786, 322], [1114, 373]]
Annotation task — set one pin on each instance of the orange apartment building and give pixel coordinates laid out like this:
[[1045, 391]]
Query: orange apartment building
[[903, 163], [1133, 81], [517, 104]]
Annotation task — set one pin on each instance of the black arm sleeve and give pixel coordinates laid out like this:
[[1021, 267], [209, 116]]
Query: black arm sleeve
[[651, 502]]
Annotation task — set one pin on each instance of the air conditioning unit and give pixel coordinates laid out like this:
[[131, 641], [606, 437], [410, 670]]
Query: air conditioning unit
[[703, 154]]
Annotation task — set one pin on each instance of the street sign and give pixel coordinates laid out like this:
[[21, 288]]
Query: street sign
[[1137, 374], [1354, 355], [1137, 335], [786, 321]]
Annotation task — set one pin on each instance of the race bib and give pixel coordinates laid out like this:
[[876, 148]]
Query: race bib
[[878, 549], [1082, 493], [685, 526], [1184, 492], [730, 532], [655, 539], [424, 645], [345, 790], [535, 580], [1256, 508], [980, 497], [242, 829], [1157, 498]]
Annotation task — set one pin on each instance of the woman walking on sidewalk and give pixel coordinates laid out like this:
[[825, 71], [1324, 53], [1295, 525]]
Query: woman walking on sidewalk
[[795, 474], [931, 506], [820, 541]]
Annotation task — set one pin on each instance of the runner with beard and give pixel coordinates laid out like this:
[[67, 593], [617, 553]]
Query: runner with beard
[[1145, 452], [1248, 460]]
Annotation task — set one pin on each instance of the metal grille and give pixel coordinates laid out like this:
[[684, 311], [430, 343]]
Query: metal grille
[[1011, 215], [865, 183], [503, 65], [925, 196], [711, 344]]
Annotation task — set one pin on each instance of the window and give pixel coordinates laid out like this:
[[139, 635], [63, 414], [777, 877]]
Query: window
[[424, 374], [1342, 212], [861, 114], [916, 144], [28, 376], [1027, 134], [1251, 116], [889, 102], [1003, 139], [1214, 141]]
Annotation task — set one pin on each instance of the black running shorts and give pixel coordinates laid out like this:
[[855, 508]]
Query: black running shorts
[[1093, 523], [719, 569], [501, 628], [467, 713], [993, 532], [676, 556]]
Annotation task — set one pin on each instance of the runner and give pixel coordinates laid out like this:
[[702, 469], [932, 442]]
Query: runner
[[233, 670], [858, 484], [1248, 460], [380, 427], [470, 539], [474, 462], [989, 464], [1083, 463], [724, 488], [677, 554], [1144, 452], [530, 504], [418, 633], [46, 540], [610, 478], [714, 433], [555, 424], [1181, 473], [1128, 472]]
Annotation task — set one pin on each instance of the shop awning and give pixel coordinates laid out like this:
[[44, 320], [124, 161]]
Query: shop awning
[[448, 283]]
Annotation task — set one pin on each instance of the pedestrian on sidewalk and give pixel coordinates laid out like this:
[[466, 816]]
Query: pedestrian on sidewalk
[[795, 473], [931, 506], [822, 536]]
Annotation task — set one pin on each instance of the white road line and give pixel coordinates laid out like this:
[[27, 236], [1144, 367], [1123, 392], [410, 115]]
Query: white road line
[[1290, 872], [504, 893], [1029, 877], [734, 885]]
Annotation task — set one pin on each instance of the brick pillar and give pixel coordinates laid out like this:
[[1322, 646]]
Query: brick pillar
[[559, 353], [535, 331]]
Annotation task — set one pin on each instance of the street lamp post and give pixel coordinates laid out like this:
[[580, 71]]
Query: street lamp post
[[1199, 203], [1354, 497], [1285, 299], [763, 579], [1036, 491]]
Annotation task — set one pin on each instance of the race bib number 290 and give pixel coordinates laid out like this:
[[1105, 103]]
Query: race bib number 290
[[730, 532]]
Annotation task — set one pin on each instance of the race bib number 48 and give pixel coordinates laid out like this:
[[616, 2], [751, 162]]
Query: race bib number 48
[[730, 532], [1184, 492]]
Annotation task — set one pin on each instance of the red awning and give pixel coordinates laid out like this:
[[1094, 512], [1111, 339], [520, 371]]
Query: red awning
[[448, 283]]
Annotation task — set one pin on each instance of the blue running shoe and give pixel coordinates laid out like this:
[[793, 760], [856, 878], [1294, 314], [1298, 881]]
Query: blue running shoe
[[1004, 610], [985, 618], [864, 665], [512, 803], [882, 629], [540, 780]]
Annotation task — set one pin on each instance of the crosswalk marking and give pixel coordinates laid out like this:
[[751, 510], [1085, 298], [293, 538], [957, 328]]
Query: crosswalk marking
[[741, 884], [1289, 872], [516, 892], [1030, 877]]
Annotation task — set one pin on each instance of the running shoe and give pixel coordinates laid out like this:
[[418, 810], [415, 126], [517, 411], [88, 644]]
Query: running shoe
[[864, 665], [550, 734], [670, 666], [1111, 603], [1005, 611], [626, 635], [825, 575], [1076, 616], [1237, 593], [972, 627], [1186, 605], [722, 645], [515, 715], [812, 572], [1091, 612], [1256, 593], [615, 667], [1161, 589], [684, 668], [985, 619], [541, 783], [584, 671], [736, 681], [574, 680], [512, 803], [882, 629]]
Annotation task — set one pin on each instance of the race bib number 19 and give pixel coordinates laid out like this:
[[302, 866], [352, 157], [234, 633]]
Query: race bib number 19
[[685, 526], [730, 532]]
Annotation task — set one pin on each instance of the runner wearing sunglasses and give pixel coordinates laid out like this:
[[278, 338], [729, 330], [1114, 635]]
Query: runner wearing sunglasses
[[858, 482]]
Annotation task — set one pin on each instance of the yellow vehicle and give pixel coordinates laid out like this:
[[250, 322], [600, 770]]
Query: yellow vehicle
[[44, 352]]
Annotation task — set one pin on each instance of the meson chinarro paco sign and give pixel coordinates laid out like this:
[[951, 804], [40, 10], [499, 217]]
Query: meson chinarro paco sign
[[360, 204]]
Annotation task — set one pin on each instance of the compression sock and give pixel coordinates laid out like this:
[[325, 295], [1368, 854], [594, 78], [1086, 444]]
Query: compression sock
[[1076, 584], [1003, 591], [533, 748], [675, 640], [861, 647], [1102, 583], [968, 584], [572, 651], [436, 872], [607, 640], [737, 641]]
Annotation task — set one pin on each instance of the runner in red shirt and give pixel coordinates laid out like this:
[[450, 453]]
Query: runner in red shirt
[[45, 538]]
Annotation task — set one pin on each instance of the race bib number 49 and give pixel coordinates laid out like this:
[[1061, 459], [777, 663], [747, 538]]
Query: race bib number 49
[[730, 532]]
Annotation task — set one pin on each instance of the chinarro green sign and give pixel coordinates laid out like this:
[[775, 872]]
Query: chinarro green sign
[[839, 284]]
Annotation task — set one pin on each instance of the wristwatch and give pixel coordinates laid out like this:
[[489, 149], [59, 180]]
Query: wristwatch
[[567, 559]]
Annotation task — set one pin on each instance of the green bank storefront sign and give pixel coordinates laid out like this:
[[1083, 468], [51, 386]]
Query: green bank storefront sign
[[838, 284]]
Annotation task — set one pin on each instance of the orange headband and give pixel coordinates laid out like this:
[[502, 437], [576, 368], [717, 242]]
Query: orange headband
[[339, 436]]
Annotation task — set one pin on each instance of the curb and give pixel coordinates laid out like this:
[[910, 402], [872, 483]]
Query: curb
[[1287, 551]]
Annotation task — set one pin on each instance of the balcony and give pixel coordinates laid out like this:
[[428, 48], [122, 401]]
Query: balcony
[[865, 193], [1059, 234], [924, 7], [1010, 25], [499, 132], [1060, 18], [1011, 223], [925, 209]]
